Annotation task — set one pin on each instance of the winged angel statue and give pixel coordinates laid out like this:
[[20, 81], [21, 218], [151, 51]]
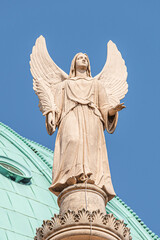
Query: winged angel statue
[[81, 107]]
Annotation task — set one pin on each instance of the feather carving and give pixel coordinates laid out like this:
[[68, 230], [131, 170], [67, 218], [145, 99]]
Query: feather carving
[[45, 75], [114, 75]]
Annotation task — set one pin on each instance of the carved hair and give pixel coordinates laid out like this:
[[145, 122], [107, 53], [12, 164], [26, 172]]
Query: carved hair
[[73, 66]]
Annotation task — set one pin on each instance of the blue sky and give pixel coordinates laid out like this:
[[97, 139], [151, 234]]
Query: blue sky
[[72, 26]]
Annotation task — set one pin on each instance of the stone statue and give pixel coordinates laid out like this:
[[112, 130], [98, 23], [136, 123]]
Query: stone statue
[[81, 107]]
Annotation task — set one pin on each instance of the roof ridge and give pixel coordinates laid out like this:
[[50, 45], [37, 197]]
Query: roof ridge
[[153, 235], [31, 141], [27, 142], [38, 144]]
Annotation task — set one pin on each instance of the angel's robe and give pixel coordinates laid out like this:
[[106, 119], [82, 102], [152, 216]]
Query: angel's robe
[[80, 146]]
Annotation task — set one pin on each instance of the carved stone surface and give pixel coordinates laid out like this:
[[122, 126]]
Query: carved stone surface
[[82, 225], [81, 196], [81, 107]]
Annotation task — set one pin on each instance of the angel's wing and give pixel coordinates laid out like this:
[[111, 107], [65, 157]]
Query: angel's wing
[[45, 75], [114, 75]]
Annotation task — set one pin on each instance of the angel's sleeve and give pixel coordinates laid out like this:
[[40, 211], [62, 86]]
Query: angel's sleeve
[[110, 122], [58, 93]]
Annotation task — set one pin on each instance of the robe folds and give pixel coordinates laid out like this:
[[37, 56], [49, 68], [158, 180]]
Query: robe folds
[[80, 146]]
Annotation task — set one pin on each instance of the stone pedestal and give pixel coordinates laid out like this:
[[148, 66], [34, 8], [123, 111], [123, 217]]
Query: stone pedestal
[[83, 216], [83, 225], [79, 196]]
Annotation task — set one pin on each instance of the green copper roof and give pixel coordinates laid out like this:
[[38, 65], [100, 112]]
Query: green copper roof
[[23, 207]]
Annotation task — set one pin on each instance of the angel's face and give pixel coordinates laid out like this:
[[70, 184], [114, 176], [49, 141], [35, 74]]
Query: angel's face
[[82, 61]]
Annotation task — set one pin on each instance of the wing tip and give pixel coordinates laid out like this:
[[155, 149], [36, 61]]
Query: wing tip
[[39, 39], [110, 43], [41, 36]]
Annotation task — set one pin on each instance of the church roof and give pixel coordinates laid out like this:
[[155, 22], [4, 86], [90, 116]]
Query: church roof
[[25, 203]]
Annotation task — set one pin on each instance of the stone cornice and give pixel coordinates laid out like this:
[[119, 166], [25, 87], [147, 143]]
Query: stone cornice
[[83, 218]]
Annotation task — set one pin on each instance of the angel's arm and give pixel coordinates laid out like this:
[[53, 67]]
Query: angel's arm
[[53, 116], [50, 123], [110, 121], [46, 104], [115, 109]]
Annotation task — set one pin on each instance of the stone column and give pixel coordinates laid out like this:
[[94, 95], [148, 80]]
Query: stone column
[[82, 195], [83, 216]]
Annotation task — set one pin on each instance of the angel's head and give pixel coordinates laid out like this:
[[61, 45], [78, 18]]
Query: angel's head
[[80, 61]]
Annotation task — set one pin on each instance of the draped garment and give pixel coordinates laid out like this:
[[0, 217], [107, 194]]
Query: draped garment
[[80, 146]]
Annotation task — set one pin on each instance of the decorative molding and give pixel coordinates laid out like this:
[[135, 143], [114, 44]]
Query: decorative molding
[[83, 217]]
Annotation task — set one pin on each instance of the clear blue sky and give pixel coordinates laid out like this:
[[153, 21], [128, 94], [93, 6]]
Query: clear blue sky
[[70, 26]]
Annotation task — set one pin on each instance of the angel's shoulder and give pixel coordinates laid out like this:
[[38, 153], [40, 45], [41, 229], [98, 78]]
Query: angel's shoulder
[[100, 87], [98, 83], [60, 85]]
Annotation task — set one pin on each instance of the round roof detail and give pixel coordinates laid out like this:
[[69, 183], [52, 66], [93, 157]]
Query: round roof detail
[[14, 170]]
